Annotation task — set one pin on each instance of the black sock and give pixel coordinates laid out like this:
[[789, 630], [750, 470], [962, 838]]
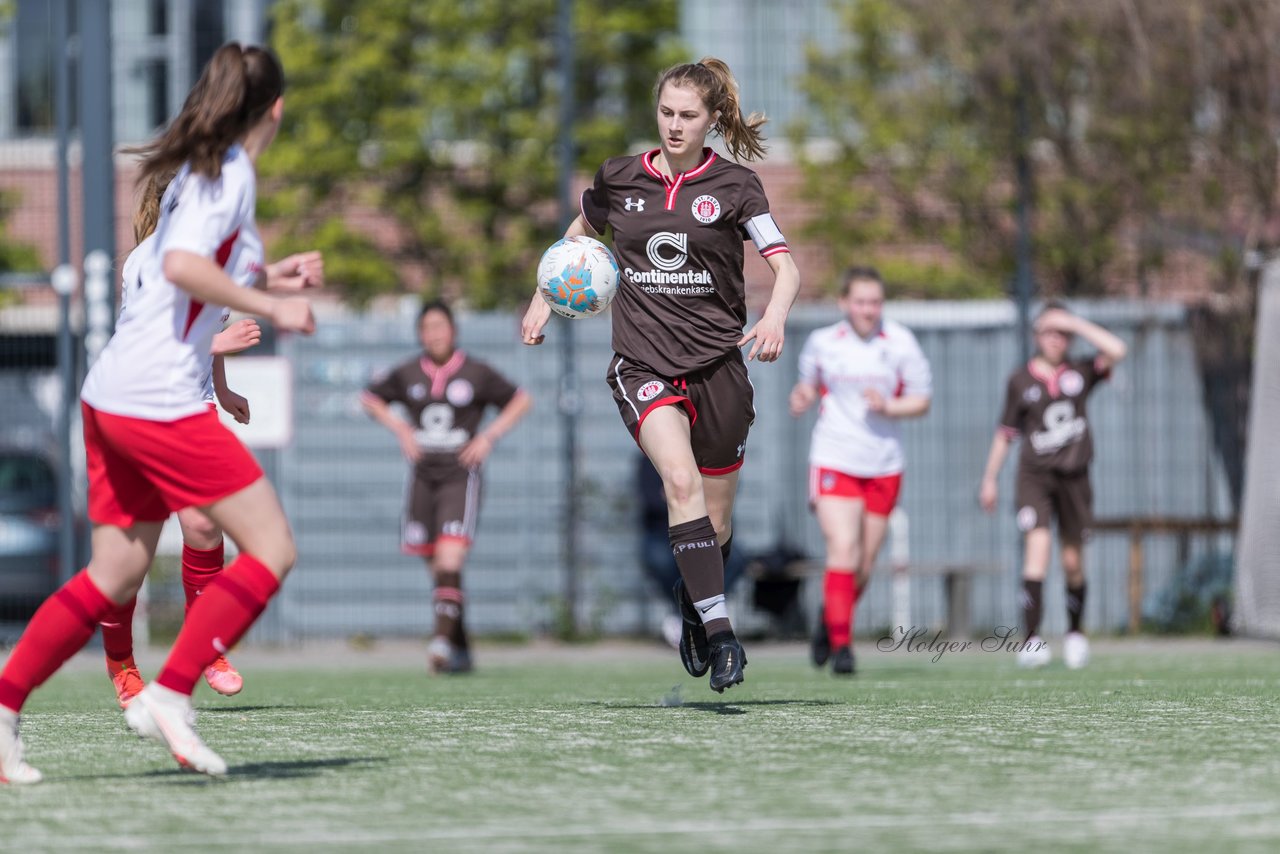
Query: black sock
[[448, 605], [698, 555], [1031, 605], [1075, 606]]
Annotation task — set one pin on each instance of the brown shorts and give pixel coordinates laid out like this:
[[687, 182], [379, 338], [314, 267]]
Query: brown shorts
[[718, 399], [441, 504], [1043, 495]]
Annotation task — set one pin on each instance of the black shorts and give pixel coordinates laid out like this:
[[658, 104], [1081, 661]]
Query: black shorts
[[440, 504], [718, 399], [1043, 495]]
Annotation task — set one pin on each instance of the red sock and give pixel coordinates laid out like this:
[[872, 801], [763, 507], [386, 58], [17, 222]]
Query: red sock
[[60, 627], [117, 631], [199, 567], [838, 596], [220, 617]]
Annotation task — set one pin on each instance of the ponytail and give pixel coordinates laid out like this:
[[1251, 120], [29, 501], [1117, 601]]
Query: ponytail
[[235, 90], [714, 82], [148, 212]]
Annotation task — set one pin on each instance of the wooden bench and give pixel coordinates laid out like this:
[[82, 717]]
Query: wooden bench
[[1138, 528], [957, 579]]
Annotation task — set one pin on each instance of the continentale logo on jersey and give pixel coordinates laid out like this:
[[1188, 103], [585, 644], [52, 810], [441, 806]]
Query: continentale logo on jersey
[[668, 252]]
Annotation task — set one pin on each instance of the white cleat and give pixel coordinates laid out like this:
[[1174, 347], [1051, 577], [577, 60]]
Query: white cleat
[[1075, 650], [439, 654], [1034, 653], [167, 717], [13, 768]]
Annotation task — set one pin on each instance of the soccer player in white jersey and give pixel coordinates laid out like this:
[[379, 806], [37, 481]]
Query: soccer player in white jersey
[[868, 374], [152, 446], [202, 542]]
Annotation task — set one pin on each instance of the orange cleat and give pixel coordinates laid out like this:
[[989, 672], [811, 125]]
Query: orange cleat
[[126, 679], [223, 678]]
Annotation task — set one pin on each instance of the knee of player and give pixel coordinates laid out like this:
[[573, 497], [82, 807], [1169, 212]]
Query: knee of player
[[681, 484], [199, 531]]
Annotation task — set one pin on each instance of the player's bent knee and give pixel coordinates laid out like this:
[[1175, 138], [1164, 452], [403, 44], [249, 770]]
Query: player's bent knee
[[682, 485]]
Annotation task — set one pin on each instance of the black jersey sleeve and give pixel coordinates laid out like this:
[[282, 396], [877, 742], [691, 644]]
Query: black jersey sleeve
[[496, 389], [387, 386], [1011, 418]]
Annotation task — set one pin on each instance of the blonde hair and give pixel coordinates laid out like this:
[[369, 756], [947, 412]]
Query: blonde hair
[[714, 82], [235, 90]]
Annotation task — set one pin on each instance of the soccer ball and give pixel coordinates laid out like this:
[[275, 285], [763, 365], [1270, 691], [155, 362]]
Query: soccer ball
[[578, 277]]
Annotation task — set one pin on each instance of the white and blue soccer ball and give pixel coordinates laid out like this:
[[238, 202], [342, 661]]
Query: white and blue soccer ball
[[578, 277]]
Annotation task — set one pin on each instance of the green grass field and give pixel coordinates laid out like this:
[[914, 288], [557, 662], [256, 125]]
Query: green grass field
[[1163, 747]]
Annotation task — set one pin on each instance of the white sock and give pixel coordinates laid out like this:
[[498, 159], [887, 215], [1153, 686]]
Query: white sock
[[168, 695], [8, 715], [712, 608]]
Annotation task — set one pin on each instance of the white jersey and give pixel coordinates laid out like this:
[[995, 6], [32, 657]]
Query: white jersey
[[157, 364], [848, 437]]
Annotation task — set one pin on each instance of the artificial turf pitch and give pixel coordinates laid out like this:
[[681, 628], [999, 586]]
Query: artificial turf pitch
[[1163, 747]]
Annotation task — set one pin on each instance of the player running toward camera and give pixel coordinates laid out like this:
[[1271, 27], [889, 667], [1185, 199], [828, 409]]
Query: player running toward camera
[[869, 375], [445, 393], [202, 545], [680, 214], [1045, 406], [151, 443]]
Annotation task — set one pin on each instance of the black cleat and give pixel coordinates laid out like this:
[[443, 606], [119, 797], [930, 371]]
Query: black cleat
[[459, 662], [727, 662], [820, 645], [695, 652], [842, 662]]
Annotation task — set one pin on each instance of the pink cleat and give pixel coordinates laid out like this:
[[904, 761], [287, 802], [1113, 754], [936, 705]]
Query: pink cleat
[[223, 678], [126, 679]]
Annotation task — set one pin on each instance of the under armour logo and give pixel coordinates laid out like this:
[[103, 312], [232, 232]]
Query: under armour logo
[[638, 204]]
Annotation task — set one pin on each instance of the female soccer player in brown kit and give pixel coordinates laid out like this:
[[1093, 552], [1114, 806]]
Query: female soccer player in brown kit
[[1045, 406], [445, 393], [680, 214], [152, 445]]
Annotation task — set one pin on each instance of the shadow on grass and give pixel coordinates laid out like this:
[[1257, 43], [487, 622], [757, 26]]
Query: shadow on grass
[[724, 707], [290, 770], [235, 710]]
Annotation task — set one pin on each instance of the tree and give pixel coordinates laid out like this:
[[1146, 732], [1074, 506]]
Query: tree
[[1148, 124], [421, 136]]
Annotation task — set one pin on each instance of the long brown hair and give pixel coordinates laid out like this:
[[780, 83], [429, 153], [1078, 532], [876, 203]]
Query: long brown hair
[[148, 212], [714, 82], [235, 90]]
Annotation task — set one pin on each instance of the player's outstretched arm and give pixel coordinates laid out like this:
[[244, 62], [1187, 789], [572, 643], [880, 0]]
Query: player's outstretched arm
[[237, 337], [769, 332], [295, 272], [538, 313], [209, 283]]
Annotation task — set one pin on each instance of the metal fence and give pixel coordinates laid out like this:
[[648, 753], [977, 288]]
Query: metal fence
[[343, 478]]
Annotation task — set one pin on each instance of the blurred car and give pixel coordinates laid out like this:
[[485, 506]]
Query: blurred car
[[29, 524]]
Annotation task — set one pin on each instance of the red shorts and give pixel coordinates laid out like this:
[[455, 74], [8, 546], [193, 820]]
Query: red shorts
[[141, 470], [879, 493]]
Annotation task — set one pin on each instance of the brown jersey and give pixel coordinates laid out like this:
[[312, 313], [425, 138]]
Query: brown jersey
[[680, 304], [1047, 409], [446, 403]]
